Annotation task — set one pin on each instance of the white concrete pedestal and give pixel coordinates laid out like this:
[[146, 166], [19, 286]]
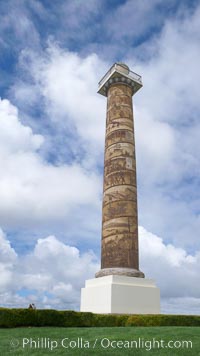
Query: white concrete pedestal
[[121, 295]]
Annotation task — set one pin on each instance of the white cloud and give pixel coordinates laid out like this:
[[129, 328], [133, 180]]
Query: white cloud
[[16, 26], [168, 104], [184, 305], [14, 136], [7, 253], [167, 150], [68, 84], [167, 131], [35, 192], [31, 189], [131, 19], [156, 147], [175, 271], [54, 273], [77, 14], [172, 72], [7, 261]]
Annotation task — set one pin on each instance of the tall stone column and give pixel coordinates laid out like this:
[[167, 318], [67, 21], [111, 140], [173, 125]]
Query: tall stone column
[[119, 252], [119, 290]]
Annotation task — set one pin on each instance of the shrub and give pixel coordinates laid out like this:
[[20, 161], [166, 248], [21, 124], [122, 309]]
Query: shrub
[[163, 320], [11, 318]]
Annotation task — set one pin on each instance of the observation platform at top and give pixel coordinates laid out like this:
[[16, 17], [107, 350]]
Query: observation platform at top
[[120, 73]]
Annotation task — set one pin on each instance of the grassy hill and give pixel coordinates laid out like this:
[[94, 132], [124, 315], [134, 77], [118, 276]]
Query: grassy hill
[[98, 341]]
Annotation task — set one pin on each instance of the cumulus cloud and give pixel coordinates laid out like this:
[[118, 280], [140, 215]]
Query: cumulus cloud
[[183, 305], [175, 270], [171, 71], [63, 84], [16, 26], [167, 129], [31, 189], [52, 274], [68, 85], [14, 136], [135, 20], [7, 261]]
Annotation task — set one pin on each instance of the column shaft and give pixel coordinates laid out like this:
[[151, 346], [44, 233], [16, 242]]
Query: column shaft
[[120, 219]]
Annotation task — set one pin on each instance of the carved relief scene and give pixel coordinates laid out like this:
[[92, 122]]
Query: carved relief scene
[[122, 123], [120, 193], [120, 225], [120, 178], [118, 164], [119, 136], [118, 208], [120, 249], [118, 112], [119, 150], [122, 100], [119, 89], [119, 218]]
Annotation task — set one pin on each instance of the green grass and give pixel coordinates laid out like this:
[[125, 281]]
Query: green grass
[[10, 337]]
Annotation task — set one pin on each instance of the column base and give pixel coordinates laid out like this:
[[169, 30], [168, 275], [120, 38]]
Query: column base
[[120, 295], [119, 271]]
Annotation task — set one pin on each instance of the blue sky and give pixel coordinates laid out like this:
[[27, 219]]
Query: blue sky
[[52, 124]]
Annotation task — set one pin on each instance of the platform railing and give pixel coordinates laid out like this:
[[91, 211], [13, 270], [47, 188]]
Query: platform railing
[[122, 70]]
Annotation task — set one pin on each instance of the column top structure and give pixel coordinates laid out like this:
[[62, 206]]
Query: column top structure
[[120, 73]]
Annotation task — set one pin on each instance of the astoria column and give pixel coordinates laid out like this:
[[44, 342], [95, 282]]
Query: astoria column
[[119, 251]]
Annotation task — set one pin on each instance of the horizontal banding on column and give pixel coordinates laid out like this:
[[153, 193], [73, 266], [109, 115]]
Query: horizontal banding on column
[[120, 225], [122, 100], [120, 178], [119, 164], [122, 124], [119, 252], [119, 233], [119, 209], [123, 192], [119, 149], [118, 112], [119, 136], [119, 220], [120, 89]]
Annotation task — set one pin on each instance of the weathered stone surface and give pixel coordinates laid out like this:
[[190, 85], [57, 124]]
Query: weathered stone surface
[[119, 150], [117, 290], [119, 218], [120, 272], [126, 192]]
